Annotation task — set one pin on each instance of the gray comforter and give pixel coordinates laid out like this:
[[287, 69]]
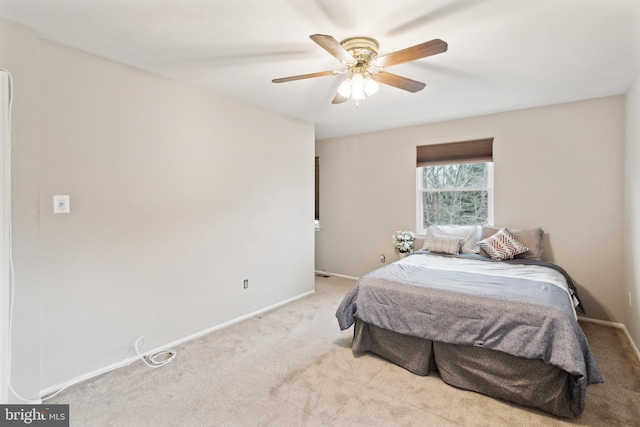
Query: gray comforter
[[520, 317]]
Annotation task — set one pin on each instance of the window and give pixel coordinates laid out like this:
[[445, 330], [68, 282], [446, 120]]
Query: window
[[454, 184]]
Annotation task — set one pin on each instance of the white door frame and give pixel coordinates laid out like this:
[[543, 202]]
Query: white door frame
[[5, 234]]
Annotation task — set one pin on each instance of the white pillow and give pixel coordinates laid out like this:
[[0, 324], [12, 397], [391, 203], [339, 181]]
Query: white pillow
[[470, 234], [502, 245], [445, 244]]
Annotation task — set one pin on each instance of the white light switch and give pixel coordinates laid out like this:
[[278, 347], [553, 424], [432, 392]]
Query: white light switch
[[61, 204]]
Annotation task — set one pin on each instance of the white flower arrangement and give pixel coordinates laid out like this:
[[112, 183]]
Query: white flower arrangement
[[403, 241]]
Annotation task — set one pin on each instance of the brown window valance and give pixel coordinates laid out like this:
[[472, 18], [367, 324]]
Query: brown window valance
[[475, 151]]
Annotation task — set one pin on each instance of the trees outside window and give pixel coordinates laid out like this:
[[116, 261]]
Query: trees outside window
[[454, 194]]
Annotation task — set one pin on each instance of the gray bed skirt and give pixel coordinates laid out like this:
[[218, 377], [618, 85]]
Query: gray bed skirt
[[526, 382]]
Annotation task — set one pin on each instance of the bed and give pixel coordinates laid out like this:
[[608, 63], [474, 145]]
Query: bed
[[505, 327]]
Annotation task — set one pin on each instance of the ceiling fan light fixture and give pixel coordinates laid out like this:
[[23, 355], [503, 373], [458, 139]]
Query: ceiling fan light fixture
[[358, 87], [370, 86], [345, 88]]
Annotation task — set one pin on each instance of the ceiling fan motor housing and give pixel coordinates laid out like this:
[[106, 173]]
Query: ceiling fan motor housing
[[363, 49]]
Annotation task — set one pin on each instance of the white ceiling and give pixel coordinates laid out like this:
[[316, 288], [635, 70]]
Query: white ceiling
[[503, 54]]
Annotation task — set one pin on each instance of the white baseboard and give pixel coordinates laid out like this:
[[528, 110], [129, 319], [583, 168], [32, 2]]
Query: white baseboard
[[130, 360], [615, 325], [327, 274], [45, 393]]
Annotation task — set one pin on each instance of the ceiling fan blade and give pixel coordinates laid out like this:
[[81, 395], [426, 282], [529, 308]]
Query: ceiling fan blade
[[334, 48], [398, 81], [421, 50], [306, 76], [339, 99]]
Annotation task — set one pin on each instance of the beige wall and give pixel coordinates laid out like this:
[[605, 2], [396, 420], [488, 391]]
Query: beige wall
[[177, 196], [558, 167], [632, 213]]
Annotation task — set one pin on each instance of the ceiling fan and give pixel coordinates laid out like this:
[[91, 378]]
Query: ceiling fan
[[365, 68]]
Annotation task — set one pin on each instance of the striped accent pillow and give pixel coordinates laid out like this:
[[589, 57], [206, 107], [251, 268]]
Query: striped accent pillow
[[445, 244], [502, 245]]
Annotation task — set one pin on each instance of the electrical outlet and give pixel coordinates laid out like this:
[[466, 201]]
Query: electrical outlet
[[246, 283], [383, 259]]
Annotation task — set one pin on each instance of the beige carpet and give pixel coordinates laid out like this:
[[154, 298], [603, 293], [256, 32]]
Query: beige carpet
[[294, 367]]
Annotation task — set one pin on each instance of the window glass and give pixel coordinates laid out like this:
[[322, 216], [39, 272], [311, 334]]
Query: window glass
[[454, 194]]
